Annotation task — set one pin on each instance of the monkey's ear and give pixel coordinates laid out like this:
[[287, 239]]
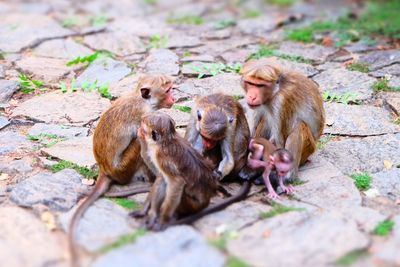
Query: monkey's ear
[[230, 119], [145, 93], [271, 159], [154, 135]]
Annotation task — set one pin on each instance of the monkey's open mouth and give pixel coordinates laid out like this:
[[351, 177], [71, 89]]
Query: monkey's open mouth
[[253, 106]]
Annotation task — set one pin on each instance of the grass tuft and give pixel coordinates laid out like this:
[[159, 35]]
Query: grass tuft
[[188, 20], [251, 13], [233, 261], [28, 85], [84, 171], [269, 51], [361, 67], [346, 98], [216, 68], [182, 108], [362, 181], [158, 41], [281, 2], [123, 241], [278, 209], [384, 228], [127, 203], [351, 257], [383, 85]]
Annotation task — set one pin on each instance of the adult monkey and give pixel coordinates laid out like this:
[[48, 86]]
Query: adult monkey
[[284, 107]]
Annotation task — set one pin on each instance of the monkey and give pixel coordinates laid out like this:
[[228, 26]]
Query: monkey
[[185, 181], [263, 154], [284, 107], [218, 129], [115, 145]]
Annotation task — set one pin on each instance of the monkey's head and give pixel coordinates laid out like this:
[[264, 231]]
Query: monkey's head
[[283, 161], [156, 89], [156, 127], [212, 124], [259, 78]]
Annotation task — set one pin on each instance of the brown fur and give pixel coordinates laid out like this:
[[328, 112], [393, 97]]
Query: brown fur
[[185, 181], [115, 147], [288, 108], [217, 110]]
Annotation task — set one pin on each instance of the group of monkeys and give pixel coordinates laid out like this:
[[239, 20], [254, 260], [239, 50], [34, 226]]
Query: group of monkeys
[[224, 140]]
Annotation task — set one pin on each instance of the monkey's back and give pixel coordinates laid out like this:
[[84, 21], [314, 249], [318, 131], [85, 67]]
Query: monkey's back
[[115, 148]]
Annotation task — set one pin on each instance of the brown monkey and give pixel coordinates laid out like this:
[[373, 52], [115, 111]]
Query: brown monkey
[[264, 155], [218, 129], [115, 145], [185, 182], [283, 106]]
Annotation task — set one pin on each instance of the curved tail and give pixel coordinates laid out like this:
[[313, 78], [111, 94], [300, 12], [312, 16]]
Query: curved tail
[[242, 194], [129, 192], [102, 185]]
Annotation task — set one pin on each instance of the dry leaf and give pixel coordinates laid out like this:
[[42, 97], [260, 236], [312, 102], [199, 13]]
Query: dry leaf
[[49, 220], [388, 165], [3, 176]]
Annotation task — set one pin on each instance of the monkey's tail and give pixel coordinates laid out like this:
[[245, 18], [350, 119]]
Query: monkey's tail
[[129, 192], [102, 185], [242, 194]]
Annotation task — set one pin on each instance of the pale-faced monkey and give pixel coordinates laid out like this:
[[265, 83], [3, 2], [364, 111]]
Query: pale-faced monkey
[[115, 145], [264, 155], [218, 129], [185, 181], [284, 107]]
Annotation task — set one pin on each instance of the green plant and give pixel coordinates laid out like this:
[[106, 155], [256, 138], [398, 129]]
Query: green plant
[[362, 181], [98, 20], [150, 2], [188, 19], [64, 88], [270, 51], [225, 23], [281, 2], [351, 257], [346, 98], [220, 242], [84, 171], [123, 241], [182, 108], [216, 68], [28, 85], [70, 21], [86, 59], [323, 141], [237, 97], [383, 85], [306, 34], [127, 203], [103, 90], [278, 209], [361, 67], [186, 54], [251, 13], [49, 139], [384, 228], [233, 261], [157, 41]]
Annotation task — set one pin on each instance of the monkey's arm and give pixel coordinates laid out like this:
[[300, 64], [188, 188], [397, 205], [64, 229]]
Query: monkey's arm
[[271, 192], [173, 197], [227, 163], [193, 136], [124, 138]]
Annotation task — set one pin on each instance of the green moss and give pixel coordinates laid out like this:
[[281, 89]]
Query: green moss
[[188, 19], [384, 228], [362, 181], [281, 2], [361, 67], [383, 85], [251, 13], [269, 51], [123, 241], [157, 41], [278, 209], [84, 171], [352, 257]]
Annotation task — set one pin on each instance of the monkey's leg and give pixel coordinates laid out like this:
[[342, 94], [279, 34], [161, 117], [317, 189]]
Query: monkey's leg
[[255, 163], [172, 199], [227, 163], [242, 194], [257, 150], [271, 192], [156, 198], [301, 144]]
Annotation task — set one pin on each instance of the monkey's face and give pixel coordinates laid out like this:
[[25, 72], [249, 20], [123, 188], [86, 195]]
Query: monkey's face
[[159, 97], [208, 142], [258, 91], [282, 168], [212, 124]]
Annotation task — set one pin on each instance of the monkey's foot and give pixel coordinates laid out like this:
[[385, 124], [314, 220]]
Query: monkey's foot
[[288, 189]]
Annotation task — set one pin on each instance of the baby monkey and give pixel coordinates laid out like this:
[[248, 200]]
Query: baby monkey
[[264, 155], [184, 182]]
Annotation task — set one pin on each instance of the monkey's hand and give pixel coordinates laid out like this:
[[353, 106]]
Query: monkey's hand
[[288, 189], [273, 195]]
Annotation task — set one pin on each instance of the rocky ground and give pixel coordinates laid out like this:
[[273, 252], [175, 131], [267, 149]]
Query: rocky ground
[[49, 115]]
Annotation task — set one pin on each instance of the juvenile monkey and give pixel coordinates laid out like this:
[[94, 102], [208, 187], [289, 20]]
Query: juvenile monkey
[[185, 182], [264, 155], [284, 107], [218, 129], [115, 145]]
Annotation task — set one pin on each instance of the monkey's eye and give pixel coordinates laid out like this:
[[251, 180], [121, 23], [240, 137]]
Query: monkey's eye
[[230, 119], [154, 135], [198, 115]]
